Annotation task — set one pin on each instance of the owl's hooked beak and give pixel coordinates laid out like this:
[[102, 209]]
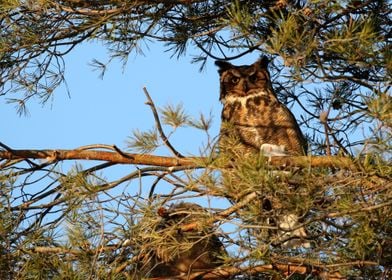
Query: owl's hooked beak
[[245, 85]]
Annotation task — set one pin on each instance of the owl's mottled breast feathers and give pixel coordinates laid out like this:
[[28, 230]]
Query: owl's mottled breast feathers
[[252, 108]]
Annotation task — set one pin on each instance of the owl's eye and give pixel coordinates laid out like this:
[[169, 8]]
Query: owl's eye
[[253, 78], [235, 80]]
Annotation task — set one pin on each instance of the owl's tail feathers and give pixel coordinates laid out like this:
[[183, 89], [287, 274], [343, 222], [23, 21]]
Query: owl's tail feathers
[[291, 234]]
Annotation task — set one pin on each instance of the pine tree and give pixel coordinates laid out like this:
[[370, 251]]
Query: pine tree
[[329, 59]]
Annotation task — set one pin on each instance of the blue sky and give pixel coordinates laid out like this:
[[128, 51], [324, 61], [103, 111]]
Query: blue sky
[[105, 111]]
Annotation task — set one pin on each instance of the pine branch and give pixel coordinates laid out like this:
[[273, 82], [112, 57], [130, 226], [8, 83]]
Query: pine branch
[[287, 269], [125, 158], [164, 161]]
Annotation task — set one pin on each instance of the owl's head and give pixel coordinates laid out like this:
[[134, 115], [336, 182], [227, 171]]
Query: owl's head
[[243, 80]]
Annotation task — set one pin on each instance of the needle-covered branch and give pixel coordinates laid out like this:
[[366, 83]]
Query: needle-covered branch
[[287, 269], [165, 161], [116, 223], [328, 42]]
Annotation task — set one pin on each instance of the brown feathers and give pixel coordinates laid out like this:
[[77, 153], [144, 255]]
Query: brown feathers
[[251, 108], [184, 251]]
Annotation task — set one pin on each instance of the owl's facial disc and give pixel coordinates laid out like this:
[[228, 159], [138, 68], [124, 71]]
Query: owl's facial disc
[[243, 81]]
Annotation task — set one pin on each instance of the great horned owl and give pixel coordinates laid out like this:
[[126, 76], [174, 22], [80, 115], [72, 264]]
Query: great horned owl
[[253, 114], [185, 251], [256, 121]]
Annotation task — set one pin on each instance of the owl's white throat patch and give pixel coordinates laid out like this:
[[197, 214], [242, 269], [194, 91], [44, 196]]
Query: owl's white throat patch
[[243, 99]]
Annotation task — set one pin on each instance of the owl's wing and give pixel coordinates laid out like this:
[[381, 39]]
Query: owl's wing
[[296, 130]]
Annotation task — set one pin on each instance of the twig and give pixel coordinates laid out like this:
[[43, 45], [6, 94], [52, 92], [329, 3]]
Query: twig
[[221, 215], [239, 205], [62, 250], [5, 147], [349, 212], [159, 126]]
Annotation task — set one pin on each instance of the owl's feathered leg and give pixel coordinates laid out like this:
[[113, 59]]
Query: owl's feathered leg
[[271, 150], [289, 229], [289, 234]]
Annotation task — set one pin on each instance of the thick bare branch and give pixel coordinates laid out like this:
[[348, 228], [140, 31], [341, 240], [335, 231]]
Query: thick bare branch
[[188, 162], [124, 158]]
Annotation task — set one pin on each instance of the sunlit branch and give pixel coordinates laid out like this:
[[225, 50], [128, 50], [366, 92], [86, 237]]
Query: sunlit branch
[[287, 269], [164, 161]]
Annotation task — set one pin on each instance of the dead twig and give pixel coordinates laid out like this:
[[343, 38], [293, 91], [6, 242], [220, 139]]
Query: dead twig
[[159, 126]]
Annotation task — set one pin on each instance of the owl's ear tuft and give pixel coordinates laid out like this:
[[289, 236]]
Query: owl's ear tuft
[[262, 62], [223, 65]]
